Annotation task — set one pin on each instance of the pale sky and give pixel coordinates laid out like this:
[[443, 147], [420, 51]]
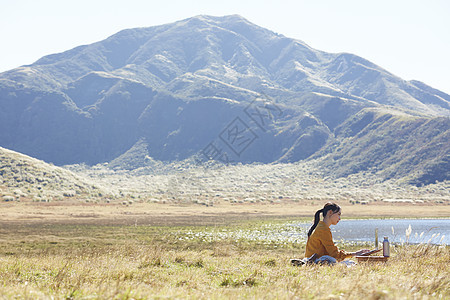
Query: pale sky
[[409, 38]]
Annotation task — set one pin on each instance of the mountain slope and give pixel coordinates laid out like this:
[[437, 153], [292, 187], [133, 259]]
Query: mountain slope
[[214, 87], [24, 177], [394, 145]]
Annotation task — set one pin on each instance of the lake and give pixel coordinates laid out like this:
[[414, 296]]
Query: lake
[[434, 231]]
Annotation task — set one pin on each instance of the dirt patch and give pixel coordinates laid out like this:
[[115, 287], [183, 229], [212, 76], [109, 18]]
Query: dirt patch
[[171, 215]]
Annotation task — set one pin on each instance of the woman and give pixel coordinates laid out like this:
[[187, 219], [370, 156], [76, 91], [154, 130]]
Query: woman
[[320, 247]]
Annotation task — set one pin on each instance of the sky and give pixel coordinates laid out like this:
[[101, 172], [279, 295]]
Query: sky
[[409, 38]]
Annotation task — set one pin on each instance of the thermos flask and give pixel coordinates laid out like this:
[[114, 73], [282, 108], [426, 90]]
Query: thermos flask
[[386, 247]]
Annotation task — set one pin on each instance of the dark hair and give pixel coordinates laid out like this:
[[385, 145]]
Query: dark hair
[[327, 207]]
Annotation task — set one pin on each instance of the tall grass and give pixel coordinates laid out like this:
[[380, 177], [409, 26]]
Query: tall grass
[[141, 262]]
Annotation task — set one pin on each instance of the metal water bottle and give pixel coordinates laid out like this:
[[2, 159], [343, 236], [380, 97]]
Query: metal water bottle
[[386, 247]]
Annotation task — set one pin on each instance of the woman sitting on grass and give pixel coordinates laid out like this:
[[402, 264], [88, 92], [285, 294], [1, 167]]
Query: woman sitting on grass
[[320, 247]]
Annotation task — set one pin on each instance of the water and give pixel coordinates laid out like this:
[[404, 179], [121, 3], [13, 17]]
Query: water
[[434, 231]]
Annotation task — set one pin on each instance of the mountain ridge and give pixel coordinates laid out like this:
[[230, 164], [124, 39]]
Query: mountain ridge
[[105, 59], [178, 86]]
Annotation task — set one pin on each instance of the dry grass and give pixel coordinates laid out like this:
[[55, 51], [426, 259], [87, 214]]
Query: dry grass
[[26, 179], [192, 214], [181, 183], [141, 262], [122, 235]]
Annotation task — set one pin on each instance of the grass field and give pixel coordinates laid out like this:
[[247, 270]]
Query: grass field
[[150, 252]]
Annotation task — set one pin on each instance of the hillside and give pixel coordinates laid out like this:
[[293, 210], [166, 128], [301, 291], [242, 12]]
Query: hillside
[[391, 145], [29, 179], [223, 88], [26, 179]]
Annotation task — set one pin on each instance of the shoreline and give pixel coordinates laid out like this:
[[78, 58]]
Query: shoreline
[[192, 214]]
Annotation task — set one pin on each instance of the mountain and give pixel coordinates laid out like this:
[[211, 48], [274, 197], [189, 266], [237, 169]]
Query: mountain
[[223, 88]]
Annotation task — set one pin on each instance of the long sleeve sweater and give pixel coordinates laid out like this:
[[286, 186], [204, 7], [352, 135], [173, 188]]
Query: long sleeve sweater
[[321, 243]]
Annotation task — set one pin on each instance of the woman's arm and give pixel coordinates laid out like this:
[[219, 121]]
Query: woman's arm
[[331, 248]]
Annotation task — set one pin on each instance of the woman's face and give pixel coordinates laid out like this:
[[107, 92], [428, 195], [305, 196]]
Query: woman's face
[[335, 217]]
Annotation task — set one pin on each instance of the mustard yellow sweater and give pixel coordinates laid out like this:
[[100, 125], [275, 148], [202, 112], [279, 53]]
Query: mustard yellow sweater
[[321, 243]]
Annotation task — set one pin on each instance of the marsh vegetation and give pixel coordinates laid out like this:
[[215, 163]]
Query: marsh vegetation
[[139, 262], [185, 231]]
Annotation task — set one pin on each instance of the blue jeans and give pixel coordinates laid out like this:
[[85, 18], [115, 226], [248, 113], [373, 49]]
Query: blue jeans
[[326, 260], [329, 260]]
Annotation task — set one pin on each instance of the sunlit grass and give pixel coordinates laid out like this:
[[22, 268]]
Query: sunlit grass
[[140, 262]]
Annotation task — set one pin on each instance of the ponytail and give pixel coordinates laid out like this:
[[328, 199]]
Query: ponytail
[[316, 221], [328, 206]]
